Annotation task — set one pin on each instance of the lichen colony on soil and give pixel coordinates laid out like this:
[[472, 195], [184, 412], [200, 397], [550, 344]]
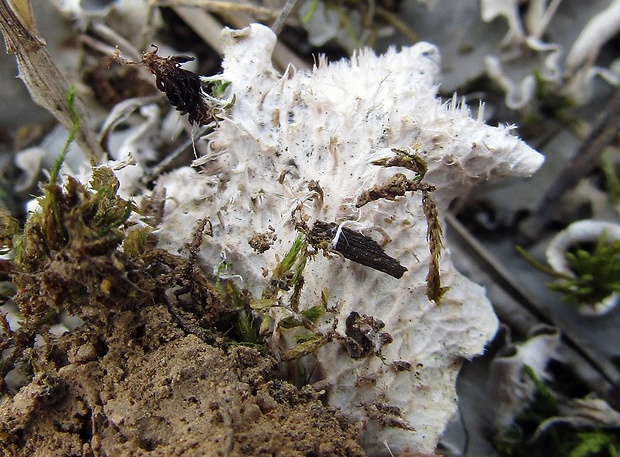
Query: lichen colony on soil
[[322, 196], [302, 148]]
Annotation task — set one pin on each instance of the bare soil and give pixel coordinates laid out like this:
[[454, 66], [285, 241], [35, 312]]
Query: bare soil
[[140, 386]]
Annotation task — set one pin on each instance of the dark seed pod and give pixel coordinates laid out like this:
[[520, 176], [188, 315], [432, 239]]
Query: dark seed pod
[[182, 87], [355, 247]]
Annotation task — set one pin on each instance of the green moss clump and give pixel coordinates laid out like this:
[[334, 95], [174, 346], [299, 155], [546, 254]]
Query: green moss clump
[[67, 257], [596, 272]]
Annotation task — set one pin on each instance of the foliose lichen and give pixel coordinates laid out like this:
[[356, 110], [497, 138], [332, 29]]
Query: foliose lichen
[[304, 147]]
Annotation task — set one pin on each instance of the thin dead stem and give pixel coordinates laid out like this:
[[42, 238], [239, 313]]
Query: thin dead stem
[[48, 87], [225, 7]]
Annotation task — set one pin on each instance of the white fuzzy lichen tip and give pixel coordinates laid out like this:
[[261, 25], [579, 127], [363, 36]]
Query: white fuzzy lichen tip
[[299, 148]]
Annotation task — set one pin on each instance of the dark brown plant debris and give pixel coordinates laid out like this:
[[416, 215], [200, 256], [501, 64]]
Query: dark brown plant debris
[[262, 241], [387, 415], [354, 246], [397, 186], [401, 365], [182, 87], [364, 334]]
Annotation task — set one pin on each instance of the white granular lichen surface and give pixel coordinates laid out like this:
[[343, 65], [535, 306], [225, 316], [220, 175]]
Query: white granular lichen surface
[[328, 125]]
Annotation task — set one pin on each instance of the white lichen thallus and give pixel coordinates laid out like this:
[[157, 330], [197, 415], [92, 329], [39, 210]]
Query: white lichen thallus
[[328, 125]]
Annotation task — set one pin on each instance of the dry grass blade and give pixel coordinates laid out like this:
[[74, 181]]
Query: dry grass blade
[[205, 25], [46, 84], [226, 7], [286, 11]]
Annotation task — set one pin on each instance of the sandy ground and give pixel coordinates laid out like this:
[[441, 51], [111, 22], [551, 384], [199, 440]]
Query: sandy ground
[[140, 386]]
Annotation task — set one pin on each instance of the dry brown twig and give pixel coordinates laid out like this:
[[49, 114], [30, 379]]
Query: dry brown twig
[[47, 85]]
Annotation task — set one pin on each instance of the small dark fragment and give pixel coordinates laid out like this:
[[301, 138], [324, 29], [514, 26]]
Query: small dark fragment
[[262, 241], [285, 283], [182, 87], [401, 365], [363, 335], [356, 247], [396, 186], [386, 415]]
